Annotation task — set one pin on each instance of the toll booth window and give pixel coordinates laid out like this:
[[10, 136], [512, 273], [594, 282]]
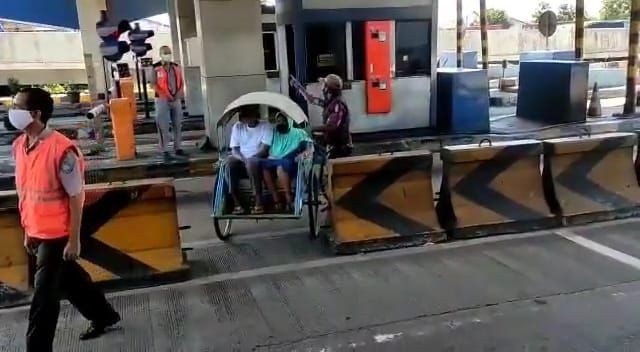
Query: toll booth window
[[326, 50], [413, 48], [357, 41], [270, 54]]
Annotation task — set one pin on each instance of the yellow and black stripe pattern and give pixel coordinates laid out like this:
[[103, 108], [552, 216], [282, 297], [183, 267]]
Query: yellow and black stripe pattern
[[632, 65], [130, 231], [484, 34], [14, 262], [579, 29], [482, 190], [382, 201], [459, 35], [591, 178]]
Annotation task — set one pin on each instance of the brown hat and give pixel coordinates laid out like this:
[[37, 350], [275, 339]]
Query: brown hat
[[332, 82]]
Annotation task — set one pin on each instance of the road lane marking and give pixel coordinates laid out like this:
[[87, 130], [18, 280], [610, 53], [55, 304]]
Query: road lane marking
[[601, 249]]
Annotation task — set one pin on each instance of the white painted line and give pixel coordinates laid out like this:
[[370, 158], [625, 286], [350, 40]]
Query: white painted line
[[601, 249]]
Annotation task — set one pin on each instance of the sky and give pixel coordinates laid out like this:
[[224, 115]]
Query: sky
[[520, 9]]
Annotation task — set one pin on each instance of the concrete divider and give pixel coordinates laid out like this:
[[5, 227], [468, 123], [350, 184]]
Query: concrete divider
[[492, 189], [591, 178], [130, 232], [129, 236], [382, 201], [14, 262]]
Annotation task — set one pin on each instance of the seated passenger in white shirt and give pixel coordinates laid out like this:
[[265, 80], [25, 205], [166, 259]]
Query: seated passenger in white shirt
[[250, 142]]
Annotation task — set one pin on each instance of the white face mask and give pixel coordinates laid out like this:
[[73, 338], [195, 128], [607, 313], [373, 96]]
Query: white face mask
[[166, 57], [20, 119]]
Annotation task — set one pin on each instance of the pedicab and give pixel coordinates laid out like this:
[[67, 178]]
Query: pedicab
[[307, 186]]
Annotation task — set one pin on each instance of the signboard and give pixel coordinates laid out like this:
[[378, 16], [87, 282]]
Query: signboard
[[548, 23]]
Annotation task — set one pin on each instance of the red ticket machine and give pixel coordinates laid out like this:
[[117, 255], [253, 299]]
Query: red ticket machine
[[378, 66]]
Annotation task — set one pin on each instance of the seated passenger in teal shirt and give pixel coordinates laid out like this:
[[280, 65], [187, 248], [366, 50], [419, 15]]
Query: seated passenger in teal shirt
[[288, 143]]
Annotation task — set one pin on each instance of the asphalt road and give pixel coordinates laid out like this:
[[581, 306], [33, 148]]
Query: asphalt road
[[272, 289]]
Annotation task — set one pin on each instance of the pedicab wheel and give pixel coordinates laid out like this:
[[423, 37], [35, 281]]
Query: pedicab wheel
[[222, 228], [313, 205]]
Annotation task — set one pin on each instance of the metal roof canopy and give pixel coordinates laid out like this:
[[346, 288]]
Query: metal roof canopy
[[63, 13]]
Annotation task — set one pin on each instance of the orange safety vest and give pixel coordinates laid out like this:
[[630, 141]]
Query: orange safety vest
[[43, 202], [162, 83]]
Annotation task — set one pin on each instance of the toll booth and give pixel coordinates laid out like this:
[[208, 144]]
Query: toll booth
[[384, 51]]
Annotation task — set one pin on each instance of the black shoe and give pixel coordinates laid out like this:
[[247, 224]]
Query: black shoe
[[181, 152], [96, 330]]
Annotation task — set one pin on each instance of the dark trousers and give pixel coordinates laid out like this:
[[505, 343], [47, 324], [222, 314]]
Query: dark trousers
[[56, 278], [336, 152], [239, 170]]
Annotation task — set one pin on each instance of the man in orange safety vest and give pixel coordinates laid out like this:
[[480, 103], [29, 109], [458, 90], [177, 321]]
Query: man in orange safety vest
[[169, 87], [50, 184]]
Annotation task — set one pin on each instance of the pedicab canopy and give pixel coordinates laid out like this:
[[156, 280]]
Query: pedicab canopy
[[274, 100]]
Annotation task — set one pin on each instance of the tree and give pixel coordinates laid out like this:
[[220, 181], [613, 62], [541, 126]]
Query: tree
[[566, 13], [498, 17], [495, 17], [543, 6], [615, 9]]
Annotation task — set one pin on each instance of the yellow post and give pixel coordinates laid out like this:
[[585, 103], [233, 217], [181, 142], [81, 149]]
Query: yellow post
[[632, 65], [579, 29], [460, 34], [484, 35]]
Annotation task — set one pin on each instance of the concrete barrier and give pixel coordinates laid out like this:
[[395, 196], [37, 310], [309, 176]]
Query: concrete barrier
[[14, 263], [129, 236], [591, 178], [130, 231], [382, 201], [492, 189]]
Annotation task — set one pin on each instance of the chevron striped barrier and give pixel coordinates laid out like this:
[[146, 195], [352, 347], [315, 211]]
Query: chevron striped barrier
[[382, 201], [14, 263], [492, 189], [129, 235], [591, 178], [130, 232]]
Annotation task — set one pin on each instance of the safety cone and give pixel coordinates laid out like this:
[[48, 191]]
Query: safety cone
[[595, 108]]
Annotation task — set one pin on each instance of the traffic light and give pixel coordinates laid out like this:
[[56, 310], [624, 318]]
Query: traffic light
[[111, 47], [138, 38]]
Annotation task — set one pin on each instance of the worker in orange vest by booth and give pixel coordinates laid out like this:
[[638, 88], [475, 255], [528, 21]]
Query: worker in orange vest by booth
[[169, 87], [50, 184]]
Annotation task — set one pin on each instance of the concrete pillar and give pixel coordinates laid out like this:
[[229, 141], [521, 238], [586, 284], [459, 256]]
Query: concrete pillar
[[232, 59], [88, 15], [176, 47], [183, 18]]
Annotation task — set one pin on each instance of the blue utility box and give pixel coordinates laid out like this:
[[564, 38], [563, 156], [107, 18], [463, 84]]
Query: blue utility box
[[449, 59], [463, 101], [553, 91], [554, 55]]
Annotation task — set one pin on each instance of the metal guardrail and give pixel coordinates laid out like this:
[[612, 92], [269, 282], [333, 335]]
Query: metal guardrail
[[590, 60]]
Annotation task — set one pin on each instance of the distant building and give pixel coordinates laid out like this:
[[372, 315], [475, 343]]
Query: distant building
[[608, 24]]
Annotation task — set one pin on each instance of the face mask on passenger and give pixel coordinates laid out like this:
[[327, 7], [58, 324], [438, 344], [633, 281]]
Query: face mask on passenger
[[166, 57], [20, 119]]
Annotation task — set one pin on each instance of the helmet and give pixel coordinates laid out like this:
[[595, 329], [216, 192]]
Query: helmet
[[333, 82]]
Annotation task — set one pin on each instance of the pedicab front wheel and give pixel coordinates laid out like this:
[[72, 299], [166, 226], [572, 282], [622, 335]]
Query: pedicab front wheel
[[222, 228], [313, 205]]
